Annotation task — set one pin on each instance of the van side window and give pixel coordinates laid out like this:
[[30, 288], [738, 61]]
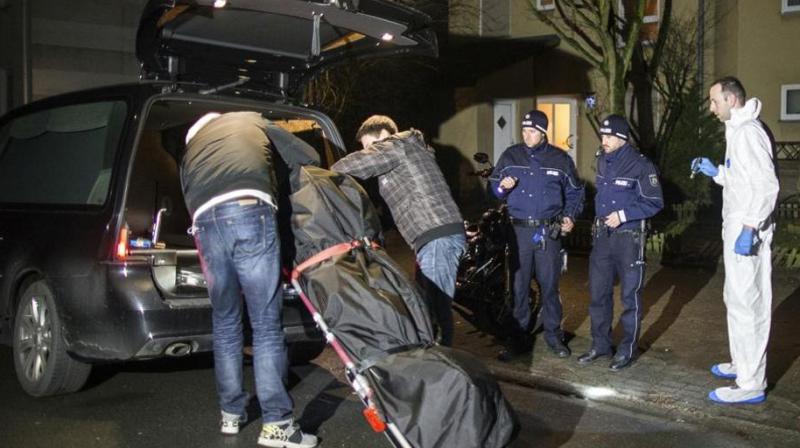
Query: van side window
[[61, 156]]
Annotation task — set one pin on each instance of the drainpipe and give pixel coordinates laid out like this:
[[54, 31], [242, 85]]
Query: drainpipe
[[480, 17], [26, 52], [701, 37]]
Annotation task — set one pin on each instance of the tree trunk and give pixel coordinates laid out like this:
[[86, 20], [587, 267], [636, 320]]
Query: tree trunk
[[643, 95], [616, 90]]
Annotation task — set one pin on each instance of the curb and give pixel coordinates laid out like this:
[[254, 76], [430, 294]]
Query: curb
[[630, 402]]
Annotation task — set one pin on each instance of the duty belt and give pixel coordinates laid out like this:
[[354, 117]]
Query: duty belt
[[532, 222], [599, 226]]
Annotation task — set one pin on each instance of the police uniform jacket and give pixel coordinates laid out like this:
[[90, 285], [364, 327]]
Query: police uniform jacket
[[627, 183], [547, 185]]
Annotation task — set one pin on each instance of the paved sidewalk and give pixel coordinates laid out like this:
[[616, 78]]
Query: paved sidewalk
[[657, 383], [684, 332]]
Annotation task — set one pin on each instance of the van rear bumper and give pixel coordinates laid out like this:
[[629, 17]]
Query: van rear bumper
[[131, 321], [177, 346], [173, 333]]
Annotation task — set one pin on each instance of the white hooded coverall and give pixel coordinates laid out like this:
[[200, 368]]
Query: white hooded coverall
[[749, 191]]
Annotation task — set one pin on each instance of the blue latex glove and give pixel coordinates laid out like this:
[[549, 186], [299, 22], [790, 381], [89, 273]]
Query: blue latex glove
[[705, 166], [744, 243], [537, 238]]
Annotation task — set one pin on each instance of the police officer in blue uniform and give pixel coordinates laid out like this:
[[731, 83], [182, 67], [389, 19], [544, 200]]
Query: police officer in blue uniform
[[540, 184], [628, 193]]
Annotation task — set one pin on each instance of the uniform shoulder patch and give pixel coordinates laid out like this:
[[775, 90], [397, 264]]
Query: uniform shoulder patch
[[653, 180]]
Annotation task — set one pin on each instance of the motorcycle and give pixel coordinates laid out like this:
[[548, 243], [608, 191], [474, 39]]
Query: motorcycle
[[484, 283]]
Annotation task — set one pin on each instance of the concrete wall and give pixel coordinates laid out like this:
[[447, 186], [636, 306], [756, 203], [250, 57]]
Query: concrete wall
[[760, 46], [72, 45], [557, 72], [480, 17], [14, 53], [524, 22], [83, 43], [747, 38]]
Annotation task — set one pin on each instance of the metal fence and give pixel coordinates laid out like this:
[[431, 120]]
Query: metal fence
[[700, 246], [787, 150], [789, 208]]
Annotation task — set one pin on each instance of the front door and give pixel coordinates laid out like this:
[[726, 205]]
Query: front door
[[562, 112], [504, 125]]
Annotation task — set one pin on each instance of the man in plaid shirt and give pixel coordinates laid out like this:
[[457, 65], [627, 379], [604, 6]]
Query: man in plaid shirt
[[414, 188]]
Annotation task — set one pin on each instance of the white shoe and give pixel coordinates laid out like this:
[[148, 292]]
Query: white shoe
[[285, 434], [724, 370], [230, 423], [734, 395]]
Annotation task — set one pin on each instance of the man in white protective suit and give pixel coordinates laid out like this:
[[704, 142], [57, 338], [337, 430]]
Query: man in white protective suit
[[749, 191]]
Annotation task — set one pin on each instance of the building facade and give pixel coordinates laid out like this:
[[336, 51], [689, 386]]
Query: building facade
[[756, 40], [49, 47]]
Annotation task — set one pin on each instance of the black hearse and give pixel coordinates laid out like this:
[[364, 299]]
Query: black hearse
[[95, 262]]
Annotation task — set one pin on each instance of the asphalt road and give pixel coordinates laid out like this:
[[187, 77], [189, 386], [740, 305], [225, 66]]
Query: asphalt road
[[171, 403]]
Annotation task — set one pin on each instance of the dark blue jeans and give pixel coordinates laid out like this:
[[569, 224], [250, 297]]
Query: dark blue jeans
[[438, 263], [240, 253]]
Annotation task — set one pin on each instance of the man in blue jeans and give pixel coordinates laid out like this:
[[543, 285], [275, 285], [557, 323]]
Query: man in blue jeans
[[229, 186], [414, 188]]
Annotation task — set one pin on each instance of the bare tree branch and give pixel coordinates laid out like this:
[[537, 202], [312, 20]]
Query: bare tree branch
[[567, 37], [661, 39], [634, 27], [575, 27]]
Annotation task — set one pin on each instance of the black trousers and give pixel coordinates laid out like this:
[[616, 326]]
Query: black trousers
[[545, 264], [616, 255]]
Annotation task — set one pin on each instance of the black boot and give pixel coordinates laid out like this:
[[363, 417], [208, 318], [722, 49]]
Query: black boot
[[559, 349], [515, 346]]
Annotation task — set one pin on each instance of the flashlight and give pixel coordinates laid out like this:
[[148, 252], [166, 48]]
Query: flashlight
[[695, 168]]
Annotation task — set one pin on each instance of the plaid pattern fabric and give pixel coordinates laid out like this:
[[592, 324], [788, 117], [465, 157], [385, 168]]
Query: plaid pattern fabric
[[410, 182]]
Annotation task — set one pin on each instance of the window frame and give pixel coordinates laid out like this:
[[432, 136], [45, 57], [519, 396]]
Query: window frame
[[542, 7], [653, 18], [646, 20], [786, 8], [785, 114]]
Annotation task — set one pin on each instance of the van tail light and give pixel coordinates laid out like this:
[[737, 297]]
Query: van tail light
[[122, 243]]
